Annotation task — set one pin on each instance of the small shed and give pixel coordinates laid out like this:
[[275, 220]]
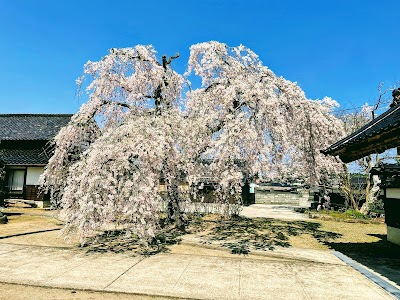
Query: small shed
[[380, 134]]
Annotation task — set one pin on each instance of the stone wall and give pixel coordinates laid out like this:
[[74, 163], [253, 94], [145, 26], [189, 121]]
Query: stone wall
[[287, 198]]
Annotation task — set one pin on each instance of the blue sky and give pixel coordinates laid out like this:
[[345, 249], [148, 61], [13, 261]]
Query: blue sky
[[341, 49]]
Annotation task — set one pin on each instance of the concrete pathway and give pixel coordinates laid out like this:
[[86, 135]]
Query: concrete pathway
[[272, 211], [187, 276]]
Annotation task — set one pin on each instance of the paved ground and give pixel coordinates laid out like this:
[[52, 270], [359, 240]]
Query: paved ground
[[187, 276], [272, 211]]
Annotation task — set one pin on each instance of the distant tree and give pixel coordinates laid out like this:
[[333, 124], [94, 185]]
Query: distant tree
[[354, 120], [141, 125]]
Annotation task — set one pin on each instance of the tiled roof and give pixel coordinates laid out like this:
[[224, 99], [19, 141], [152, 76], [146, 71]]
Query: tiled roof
[[24, 156], [31, 126], [377, 136]]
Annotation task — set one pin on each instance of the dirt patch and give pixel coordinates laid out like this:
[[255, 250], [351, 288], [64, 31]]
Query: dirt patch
[[306, 241], [32, 226], [21, 224], [354, 232], [51, 238], [243, 235]]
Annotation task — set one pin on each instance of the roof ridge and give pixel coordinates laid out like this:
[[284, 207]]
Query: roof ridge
[[36, 115], [362, 129]]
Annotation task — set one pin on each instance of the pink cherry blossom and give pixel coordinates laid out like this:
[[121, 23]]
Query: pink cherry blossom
[[142, 128]]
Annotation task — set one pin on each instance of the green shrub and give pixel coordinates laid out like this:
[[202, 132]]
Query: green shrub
[[376, 206], [355, 214]]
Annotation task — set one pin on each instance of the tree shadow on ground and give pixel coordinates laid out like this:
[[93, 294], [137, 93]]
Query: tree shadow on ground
[[118, 241], [238, 234], [10, 213], [241, 235], [382, 256]]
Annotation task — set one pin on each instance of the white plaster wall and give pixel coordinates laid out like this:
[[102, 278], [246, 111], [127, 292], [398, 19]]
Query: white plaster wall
[[393, 235], [33, 174], [393, 193]]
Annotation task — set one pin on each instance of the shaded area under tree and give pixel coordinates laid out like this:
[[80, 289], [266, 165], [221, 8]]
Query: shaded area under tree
[[238, 234], [382, 256]]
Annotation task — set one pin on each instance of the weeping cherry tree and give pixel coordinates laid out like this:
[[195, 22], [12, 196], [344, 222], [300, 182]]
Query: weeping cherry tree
[[144, 124]]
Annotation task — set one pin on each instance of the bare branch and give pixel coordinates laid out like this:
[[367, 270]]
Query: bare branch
[[106, 102], [211, 86], [381, 94], [166, 62]]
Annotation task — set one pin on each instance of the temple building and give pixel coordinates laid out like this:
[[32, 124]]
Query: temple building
[[380, 134]]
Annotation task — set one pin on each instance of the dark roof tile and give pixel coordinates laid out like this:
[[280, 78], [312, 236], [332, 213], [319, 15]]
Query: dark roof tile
[[31, 126], [363, 142], [24, 156]]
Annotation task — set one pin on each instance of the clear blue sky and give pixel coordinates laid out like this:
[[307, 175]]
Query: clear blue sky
[[342, 49]]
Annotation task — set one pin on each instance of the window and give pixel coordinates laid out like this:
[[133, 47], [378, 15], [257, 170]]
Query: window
[[16, 180]]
